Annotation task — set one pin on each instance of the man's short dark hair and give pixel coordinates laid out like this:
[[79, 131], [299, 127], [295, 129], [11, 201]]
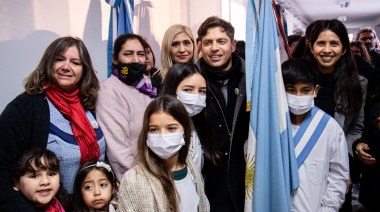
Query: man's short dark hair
[[214, 21]]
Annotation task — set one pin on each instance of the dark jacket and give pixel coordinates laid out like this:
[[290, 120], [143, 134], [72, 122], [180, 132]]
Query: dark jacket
[[225, 182], [375, 59], [24, 124], [369, 194], [368, 71]]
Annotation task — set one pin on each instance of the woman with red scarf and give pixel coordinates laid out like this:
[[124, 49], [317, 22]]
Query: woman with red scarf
[[55, 112]]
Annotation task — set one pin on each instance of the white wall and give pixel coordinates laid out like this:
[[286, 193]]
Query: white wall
[[236, 12], [27, 27], [152, 18]]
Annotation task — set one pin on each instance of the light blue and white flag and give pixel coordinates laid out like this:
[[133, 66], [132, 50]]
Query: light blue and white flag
[[121, 22], [272, 171]]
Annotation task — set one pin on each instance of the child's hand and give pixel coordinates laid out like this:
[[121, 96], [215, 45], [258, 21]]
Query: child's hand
[[349, 184], [361, 152]]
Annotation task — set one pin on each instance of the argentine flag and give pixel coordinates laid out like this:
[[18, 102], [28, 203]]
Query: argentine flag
[[271, 172], [121, 20]]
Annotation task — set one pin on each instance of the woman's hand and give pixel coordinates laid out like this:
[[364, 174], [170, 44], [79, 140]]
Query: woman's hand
[[364, 156]]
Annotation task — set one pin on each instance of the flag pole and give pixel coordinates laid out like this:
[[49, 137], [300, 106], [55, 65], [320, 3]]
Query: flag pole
[[282, 30]]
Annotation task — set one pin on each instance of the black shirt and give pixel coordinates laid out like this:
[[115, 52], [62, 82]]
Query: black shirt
[[325, 97]]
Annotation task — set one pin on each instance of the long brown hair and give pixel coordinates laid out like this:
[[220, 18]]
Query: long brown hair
[[154, 164], [44, 73], [363, 50]]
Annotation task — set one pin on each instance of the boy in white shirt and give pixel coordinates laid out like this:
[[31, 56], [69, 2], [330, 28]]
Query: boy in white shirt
[[319, 142]]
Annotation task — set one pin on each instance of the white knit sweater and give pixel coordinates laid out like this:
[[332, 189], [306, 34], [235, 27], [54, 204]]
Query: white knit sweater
[[141, 191]]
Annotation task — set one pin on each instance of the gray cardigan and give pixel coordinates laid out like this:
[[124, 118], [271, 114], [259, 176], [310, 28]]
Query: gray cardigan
[[353, 125]]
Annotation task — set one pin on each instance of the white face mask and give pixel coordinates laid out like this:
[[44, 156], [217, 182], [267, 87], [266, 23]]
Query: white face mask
[[165, 145], [194, 103], [299, 105]]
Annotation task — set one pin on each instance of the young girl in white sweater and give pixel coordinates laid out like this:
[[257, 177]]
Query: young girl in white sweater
[[164, 179]]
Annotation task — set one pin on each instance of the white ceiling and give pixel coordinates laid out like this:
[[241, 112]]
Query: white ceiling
[[359, 13]]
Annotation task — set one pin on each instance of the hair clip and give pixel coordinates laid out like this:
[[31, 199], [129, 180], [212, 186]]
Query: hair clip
[[102, 165]]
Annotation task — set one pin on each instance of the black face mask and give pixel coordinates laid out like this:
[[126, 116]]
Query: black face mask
[[129, 73]]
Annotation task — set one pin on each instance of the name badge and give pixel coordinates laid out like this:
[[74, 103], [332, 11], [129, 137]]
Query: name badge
[[95, 124], [236, 91]]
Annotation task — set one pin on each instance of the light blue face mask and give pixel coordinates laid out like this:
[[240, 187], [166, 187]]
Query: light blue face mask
[[194, 103]]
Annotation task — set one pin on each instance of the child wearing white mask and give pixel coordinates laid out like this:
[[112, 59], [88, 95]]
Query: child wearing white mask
[[186, 82], [319, 142], [165, 179]]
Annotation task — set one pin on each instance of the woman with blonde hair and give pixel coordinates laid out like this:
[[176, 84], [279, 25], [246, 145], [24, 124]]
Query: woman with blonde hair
[[178, 45]]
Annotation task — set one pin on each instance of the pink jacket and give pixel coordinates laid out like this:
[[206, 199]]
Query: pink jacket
[[120, 111]]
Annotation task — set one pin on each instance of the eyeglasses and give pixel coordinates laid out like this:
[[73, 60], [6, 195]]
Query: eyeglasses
[[367, 38]]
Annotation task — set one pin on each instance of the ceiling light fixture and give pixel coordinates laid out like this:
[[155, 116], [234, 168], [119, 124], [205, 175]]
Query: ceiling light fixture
[[344, 3], [342, 18]]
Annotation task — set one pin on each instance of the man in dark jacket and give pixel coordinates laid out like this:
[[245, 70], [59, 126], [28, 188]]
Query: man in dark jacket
[[224, 181], [368, 37]]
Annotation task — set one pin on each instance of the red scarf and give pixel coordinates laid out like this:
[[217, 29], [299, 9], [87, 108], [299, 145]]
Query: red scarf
[[71, 108], [54, 206]]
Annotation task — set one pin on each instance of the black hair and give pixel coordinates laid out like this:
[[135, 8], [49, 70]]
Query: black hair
[[214, 21], [348, 92], [299, 70], [36, 157], [202, 121], [293, 38], [240, 48], [300, 49], [310, 28], [122, 39]]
